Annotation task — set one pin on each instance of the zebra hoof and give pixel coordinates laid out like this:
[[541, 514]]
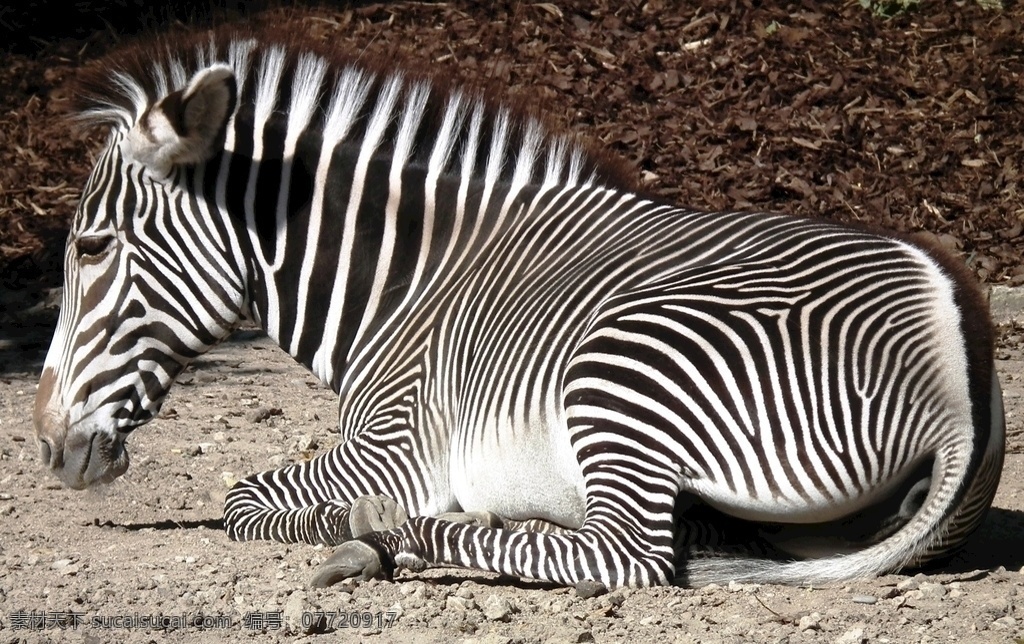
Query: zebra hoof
[[410, 562], [482, 519], [352, 560], [375, 514]]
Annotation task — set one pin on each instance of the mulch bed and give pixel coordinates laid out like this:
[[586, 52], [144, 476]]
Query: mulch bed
[[815, 108]]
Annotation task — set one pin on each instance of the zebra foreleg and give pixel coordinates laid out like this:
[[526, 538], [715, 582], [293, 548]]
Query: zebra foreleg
[[592, 553], [324, 501], [285, 505], [248, 518], [620, 543]]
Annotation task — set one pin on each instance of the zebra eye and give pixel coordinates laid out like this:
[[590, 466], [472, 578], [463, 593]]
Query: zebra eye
[[93, 247]]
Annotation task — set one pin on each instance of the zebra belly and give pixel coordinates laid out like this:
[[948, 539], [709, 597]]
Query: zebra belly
[[530, 473], [792, 508]]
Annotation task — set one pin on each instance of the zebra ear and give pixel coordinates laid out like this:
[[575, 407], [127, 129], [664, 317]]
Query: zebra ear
[[185, 127]]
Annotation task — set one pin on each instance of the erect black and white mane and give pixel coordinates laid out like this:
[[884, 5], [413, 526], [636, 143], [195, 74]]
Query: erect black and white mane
[[290, 81]]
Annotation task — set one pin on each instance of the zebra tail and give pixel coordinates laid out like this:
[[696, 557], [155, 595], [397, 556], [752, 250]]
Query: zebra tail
[[924, 532]]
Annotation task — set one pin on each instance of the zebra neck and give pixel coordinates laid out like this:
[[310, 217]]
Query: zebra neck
[[356, 254]]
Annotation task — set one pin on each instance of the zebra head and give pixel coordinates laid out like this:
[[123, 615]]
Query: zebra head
[[148, 285]]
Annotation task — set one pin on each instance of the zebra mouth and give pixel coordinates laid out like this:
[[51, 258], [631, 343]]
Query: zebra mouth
[[92, 459]]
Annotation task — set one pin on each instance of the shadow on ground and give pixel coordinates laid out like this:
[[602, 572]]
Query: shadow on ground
[[27, 320], [996, 543]]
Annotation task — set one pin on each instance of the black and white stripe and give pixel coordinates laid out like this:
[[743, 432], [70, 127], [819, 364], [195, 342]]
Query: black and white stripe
[[510, 331]]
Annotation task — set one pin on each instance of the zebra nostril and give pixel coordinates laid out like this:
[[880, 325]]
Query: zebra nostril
[[45, 451]]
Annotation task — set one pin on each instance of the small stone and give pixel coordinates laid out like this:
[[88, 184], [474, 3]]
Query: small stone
[[997, 606], [464, 593], [588, 588], [261, 414], [1004, 623], [932, 591], [864, 599], [585, 636], [497, 609], [852, 636], [395, 611], [60, 564], [810, 622], [460, 604], [907, 584], [617, 598], [554, 606], [295, 608], [492, 638], [304, 443]]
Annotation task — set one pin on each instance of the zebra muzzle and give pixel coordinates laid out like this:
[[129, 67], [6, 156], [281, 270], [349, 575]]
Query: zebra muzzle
[[86, 458], [79, 454]]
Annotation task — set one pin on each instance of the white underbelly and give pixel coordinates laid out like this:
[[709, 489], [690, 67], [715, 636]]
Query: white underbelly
[[534, 475], [792, 507]]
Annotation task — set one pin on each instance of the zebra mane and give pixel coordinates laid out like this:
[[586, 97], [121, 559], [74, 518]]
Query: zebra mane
[[335, 90]]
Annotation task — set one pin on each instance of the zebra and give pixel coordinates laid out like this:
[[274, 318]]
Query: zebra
[[541, 371]]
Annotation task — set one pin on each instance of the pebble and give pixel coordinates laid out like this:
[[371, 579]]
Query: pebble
[[907, 584], [65, 567], [459, 603], [304, 443], [588, 588], [864, 599], [810, 622], [497, 609], [1004, 623], [931, 590], [490, 638], [294, 608], [260, 414], [555, 606], [997, 606], [396, 610], [736, 587], [852, 636]]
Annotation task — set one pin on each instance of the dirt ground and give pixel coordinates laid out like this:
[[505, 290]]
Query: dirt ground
[[814, 108], [151, 546]]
